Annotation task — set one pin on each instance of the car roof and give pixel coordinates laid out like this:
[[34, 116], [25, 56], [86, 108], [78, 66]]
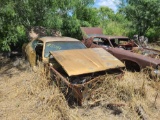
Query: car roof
[[50, 39], [111, 37], [98, 32]]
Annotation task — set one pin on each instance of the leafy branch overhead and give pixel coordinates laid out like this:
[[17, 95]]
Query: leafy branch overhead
[[144, 14], [17, 16], [133, 17]]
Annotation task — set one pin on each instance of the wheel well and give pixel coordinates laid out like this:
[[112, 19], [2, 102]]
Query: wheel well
[[131, 65]]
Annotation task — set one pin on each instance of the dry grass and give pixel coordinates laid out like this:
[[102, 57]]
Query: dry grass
[[120, 98], [154, 46], [27, 96]]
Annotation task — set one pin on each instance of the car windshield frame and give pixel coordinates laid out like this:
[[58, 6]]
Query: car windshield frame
[[62, 45]]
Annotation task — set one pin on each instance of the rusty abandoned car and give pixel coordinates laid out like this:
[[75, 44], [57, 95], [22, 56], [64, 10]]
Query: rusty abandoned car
[[75, 66], [135, 57]]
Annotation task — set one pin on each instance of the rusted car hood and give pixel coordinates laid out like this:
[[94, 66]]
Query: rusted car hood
[[83, 61]]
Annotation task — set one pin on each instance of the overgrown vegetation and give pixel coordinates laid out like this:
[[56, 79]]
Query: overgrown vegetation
[[28, 95], [133, 17]]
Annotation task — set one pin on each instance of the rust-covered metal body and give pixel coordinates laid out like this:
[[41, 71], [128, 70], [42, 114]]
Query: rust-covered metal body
[[92, 31], [124, 49], [141, 60], [78, 62], [77, 66]]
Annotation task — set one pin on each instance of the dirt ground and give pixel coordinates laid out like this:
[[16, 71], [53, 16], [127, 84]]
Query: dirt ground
[[25, 95]]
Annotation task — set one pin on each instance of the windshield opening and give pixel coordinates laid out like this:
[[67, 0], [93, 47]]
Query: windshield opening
[[62, 45]]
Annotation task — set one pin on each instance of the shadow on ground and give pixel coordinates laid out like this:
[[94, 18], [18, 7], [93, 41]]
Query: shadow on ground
[[11, 65]]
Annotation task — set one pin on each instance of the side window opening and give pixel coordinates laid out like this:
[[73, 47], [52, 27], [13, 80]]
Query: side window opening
[[106, 42], [97, 41], [117, 41], [102, 42], [114, 42], [39, 49]]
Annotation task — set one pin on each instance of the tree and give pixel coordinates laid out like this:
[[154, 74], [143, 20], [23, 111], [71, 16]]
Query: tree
[[112, 23], [144, 14], [17, 16], [81, 14], [87, 16]]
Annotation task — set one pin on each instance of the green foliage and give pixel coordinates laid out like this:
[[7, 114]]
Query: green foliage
[[87, 16], [71, 26], [52, 20], [134, 16], [114, 28], [144, 14], [17, 16], [153, 34], [113, 23]]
